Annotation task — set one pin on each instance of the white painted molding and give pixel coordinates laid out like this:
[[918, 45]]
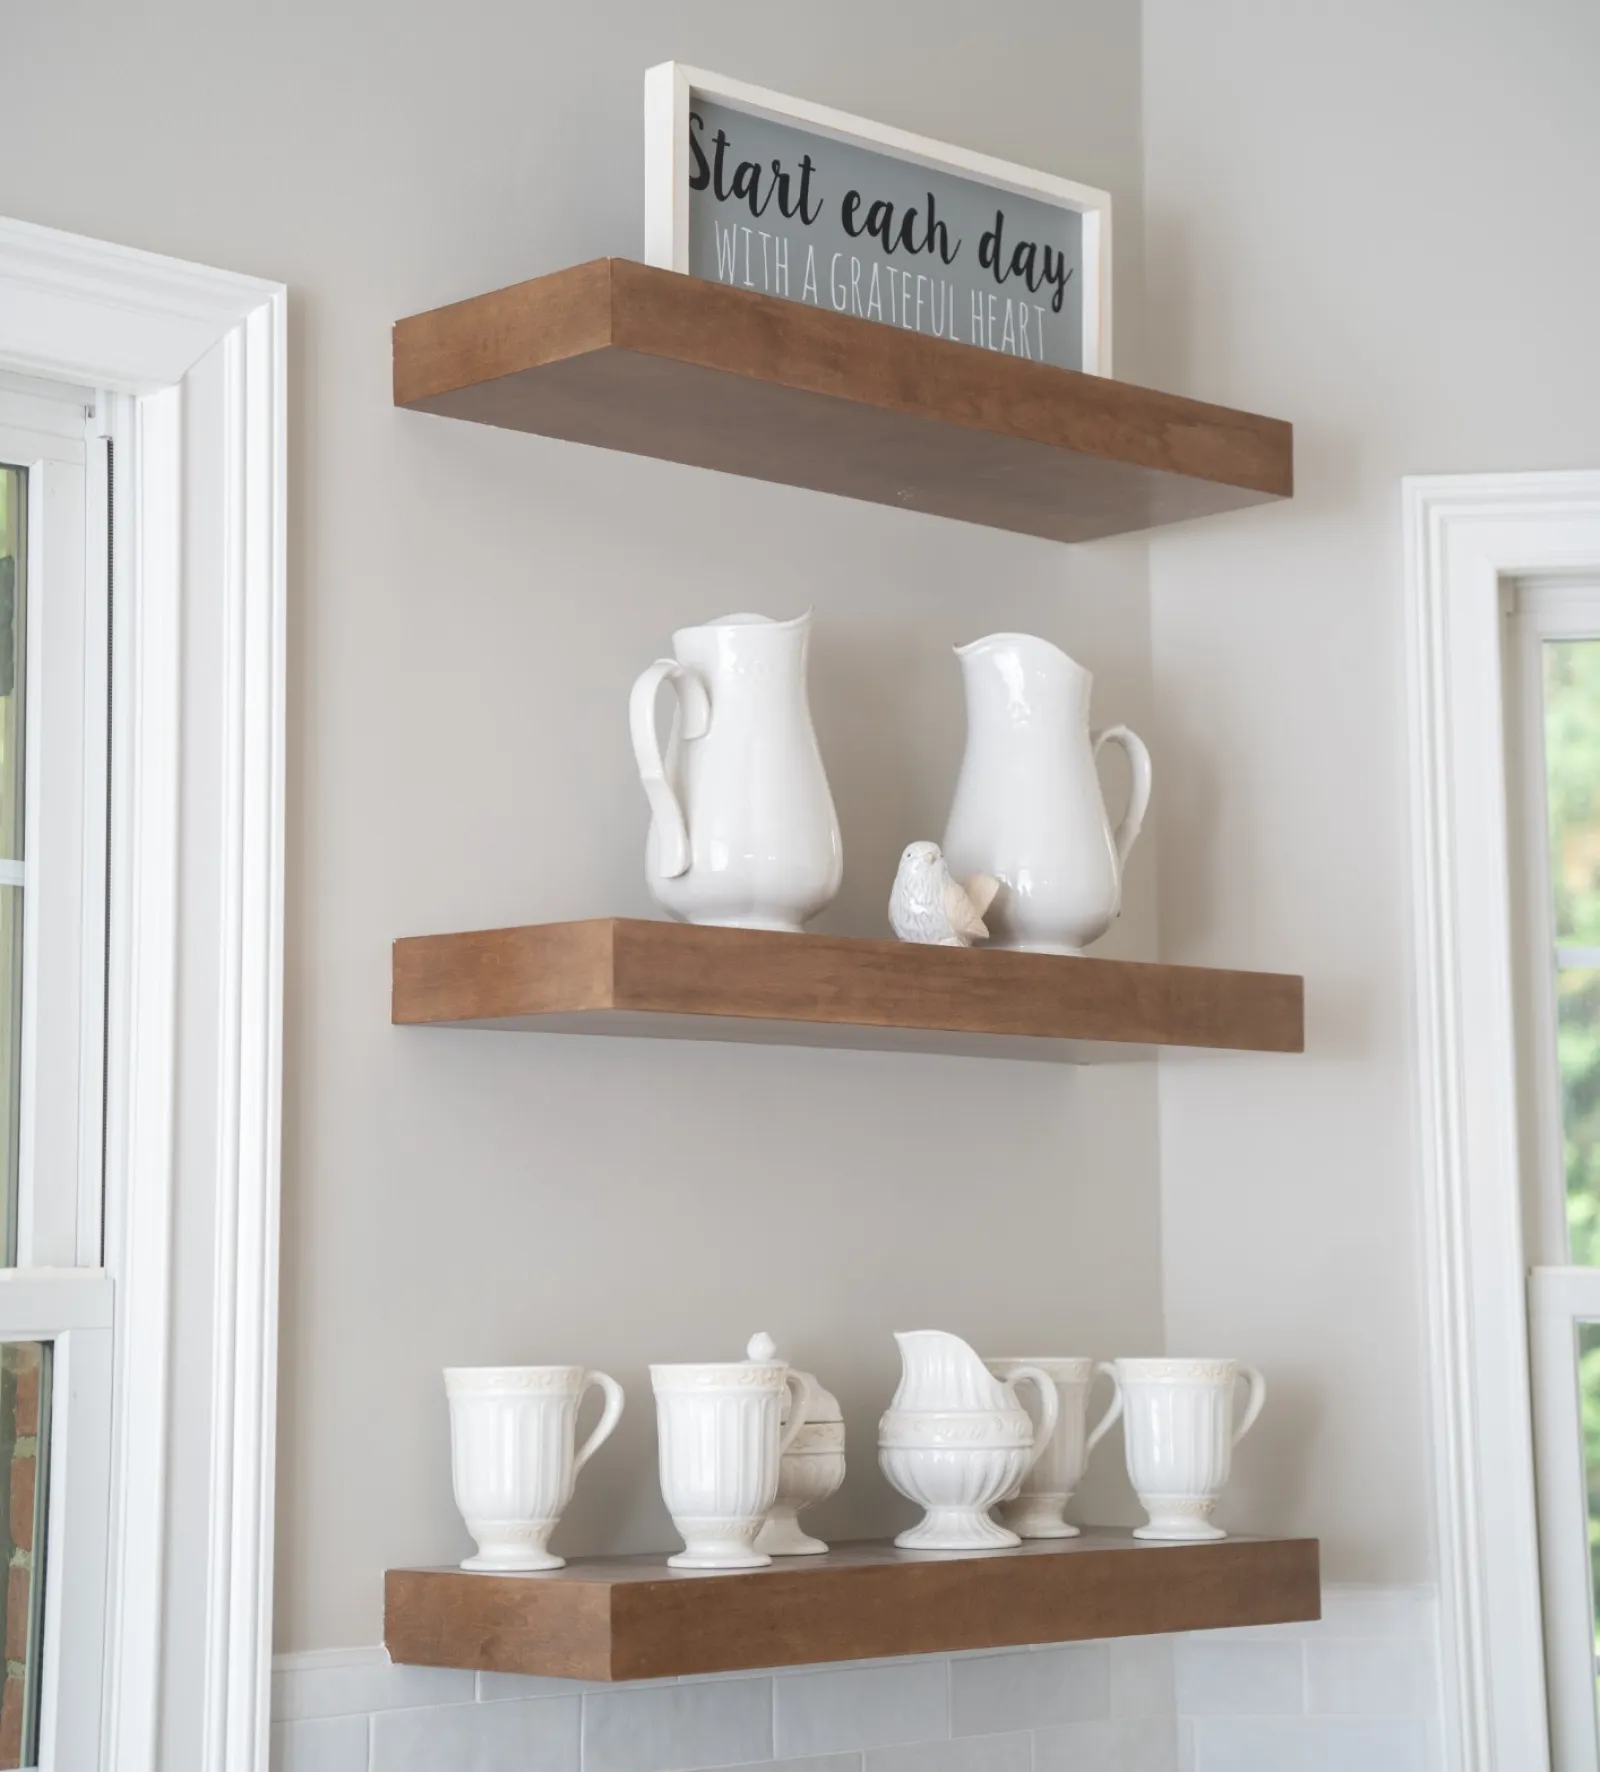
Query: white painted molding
[[1465, 536], [195, 358]]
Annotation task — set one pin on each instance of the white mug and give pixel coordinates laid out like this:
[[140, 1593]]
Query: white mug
[[1034, 1508], [721, 1439], [1179, 1433], [514, 1457]]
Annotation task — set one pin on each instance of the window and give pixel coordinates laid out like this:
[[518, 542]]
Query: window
[[1554, 741], [55, 1300]]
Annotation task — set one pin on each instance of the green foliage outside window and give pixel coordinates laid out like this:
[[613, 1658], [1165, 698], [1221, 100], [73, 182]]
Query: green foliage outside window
[[1572, 754]]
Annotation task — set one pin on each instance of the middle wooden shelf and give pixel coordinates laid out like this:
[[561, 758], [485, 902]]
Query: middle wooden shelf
[[634, 1618], [619, 975]]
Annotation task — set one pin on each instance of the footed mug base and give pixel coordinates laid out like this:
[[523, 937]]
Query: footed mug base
[[952, 1529], [719, 1557], [513, 1546], [719, 1544], [1035, 1519], [515, 1562], [1043, 1529], [1179, 1519], [1180, 1531]]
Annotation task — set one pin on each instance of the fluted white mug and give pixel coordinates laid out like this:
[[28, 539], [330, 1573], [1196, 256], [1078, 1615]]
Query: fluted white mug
[[1179, 1433], [514, 1457], [1035, 1507], [721, 1438]]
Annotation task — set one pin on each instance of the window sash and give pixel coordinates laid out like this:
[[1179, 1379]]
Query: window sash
[[63, 872]]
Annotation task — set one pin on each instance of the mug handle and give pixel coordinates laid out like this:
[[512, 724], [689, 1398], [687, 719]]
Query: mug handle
[[800, 1395], [1258, 1396], [1139, 799], [1112, 1414], [694, 708], [1049, 1409], [609, 1416]]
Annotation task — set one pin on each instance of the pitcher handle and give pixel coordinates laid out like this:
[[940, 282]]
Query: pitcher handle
[[799, 1402], [1049, 1408], [1258, 1396], [1104, 1425], [609, 1416], [694, 712], [1139, 799]]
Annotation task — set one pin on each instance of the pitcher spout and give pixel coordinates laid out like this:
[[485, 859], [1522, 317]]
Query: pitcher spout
[[942, 1372], [1028, 649]]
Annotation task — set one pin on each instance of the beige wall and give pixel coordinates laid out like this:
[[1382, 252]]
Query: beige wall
[[468, 611], [1376, 220]]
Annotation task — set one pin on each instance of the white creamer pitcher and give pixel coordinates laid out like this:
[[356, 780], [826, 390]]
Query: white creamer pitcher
[[1028, 809], [742, 827], [956, 1438]]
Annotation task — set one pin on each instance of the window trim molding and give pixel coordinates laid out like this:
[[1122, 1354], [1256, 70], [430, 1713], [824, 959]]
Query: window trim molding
[[193, 356], [1465, 535]]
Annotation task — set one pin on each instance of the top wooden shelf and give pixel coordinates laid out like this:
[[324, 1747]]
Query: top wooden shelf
[[625, 356]]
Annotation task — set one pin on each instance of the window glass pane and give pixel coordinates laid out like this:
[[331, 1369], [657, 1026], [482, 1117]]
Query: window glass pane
[[1578, 1046], [1572, 760], [24, 1479]]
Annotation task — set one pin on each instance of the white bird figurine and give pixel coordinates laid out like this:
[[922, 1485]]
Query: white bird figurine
[[926, 905]]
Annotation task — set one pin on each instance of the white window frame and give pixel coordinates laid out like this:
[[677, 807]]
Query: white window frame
[[59, 1292], [1467, 537], [195, 362]]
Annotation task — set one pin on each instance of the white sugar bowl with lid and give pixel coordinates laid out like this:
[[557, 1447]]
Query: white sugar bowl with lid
[[810, 1471]]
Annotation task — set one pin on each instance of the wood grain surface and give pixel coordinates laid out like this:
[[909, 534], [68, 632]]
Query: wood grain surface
[[629, 357], [632, 1618], [633, 976]]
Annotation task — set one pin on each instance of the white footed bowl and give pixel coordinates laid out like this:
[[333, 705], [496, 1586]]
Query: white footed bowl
[[955, 1465]]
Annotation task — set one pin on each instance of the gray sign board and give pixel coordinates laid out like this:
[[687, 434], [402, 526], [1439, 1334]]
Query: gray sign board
[[808, 218]]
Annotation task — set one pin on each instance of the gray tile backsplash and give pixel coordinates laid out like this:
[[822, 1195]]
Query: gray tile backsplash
[[1357, 1689]]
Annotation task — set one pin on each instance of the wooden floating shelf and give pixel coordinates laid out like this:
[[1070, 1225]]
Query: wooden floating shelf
[[617, 975], [625, 356], [634, 1618]]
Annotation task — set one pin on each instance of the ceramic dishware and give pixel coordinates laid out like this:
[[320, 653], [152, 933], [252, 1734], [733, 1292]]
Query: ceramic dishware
[[1036, 1508], [956, 1439], [743, 831], [514, 1457], [721, 1438], [1028, 809], [809, 1471], [1179, 1432]]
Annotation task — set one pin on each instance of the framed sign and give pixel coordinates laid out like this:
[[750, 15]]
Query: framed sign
[[749, 188]]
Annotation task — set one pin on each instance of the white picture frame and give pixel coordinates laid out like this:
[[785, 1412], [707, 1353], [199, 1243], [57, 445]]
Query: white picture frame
[[670, 87]]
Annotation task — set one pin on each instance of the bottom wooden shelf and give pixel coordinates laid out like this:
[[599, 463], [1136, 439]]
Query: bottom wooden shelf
[[634, 1618]]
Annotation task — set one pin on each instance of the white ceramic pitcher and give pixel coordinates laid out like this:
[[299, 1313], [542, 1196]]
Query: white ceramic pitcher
[[955, 1439], [1028, 808], [742, 827]]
